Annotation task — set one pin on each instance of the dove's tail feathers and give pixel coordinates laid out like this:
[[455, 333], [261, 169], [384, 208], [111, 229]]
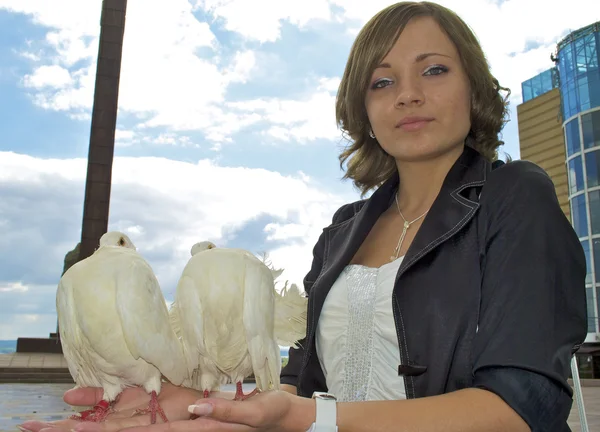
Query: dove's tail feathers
[[264, 258], [290, 316], [175, 319], [266, 363]]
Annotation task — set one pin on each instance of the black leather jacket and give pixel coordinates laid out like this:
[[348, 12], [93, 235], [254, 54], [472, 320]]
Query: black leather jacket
[[490, 294]]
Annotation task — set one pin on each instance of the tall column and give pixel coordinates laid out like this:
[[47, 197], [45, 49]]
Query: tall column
[[104, 119]]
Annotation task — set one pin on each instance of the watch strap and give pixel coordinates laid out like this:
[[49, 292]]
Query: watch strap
[[326, 413]]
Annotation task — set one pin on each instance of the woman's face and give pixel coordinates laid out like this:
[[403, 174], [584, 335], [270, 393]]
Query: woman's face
[[418, 101]]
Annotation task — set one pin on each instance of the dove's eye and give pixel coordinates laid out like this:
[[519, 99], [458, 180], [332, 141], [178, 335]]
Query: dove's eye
[[122, 241]]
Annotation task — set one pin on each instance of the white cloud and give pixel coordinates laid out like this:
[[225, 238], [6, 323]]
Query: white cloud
[[178, 78], [278, 231], [261, 20], [301, 120], [48, 76], [12, 287], [243, 65], [76, 16], [124, 138], [164, 205], [164, 79]]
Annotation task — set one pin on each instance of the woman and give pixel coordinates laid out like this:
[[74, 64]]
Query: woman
[[451, 299]]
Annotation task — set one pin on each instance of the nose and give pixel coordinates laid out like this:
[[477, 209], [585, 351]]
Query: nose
[[409, 93]]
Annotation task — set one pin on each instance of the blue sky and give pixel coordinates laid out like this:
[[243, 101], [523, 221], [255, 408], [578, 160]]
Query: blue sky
[[226, 127]]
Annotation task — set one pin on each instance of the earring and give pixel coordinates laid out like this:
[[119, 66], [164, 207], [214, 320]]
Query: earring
[[371, 134]]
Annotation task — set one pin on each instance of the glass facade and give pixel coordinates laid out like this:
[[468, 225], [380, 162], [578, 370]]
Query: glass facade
[[539, 84], [578, 56], [579, 75]]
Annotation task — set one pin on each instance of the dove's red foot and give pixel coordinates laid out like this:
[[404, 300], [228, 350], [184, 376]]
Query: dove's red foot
[[99, 413], [153, 408], [239, 392]]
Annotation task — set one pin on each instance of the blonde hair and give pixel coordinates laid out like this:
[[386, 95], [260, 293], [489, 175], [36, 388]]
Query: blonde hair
[[368, 165]]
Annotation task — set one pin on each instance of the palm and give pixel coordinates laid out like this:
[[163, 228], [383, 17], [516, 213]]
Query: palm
[[174, 401]]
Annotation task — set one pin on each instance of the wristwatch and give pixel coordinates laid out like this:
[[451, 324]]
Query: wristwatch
[[326, 418]]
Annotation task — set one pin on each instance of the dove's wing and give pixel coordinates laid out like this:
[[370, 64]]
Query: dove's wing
[[259, 310], [145, 320], [214, 277], [76, 348], [191, 304], [188, 309]]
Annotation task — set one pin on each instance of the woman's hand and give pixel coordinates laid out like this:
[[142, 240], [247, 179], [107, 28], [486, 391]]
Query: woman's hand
[[174, 401], [268, 411]]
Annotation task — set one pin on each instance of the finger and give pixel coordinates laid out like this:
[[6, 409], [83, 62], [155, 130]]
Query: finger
[[33, 426], [228, 411], [38, 426], [113, 424], [83, 396], [198, 425]]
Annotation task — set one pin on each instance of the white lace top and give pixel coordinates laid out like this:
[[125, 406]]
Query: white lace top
[[356, 335]]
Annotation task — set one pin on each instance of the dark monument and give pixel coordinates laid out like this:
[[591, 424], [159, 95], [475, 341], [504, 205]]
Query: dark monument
[[100, 157]]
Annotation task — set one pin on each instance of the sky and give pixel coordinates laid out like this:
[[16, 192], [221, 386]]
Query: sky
[[226, 127]]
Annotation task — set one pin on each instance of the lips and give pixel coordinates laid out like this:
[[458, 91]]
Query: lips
[[409, 120], [413, 123]]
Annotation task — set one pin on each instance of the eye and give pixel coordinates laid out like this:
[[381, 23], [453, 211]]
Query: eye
[[121, 241], [435, 70], [380, 83]]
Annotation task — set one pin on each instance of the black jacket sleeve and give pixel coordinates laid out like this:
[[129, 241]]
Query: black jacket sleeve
[[289, 374], [533, 306]]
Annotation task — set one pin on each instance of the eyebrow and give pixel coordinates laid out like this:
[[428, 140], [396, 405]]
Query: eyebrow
[[418, 59]]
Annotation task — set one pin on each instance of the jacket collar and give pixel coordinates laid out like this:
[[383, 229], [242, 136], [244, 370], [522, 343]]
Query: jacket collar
[[455, 205]]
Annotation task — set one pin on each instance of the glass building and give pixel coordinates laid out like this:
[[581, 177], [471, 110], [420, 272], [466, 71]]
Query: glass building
[[539, 84], [578, 56]]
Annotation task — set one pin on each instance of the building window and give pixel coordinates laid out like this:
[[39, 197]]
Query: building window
[[595, 315], [596, 253], [594, 203], [575, 175], [539, 84], [579, 215], [580, 74], [589, 294], [590, 124], [588, 260], [592, 168], [572, 137]]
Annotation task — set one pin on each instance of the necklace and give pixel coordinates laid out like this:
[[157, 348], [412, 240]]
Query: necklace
[[405, 228]]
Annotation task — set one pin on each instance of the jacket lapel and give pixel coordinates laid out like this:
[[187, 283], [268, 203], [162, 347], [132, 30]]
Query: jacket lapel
[[344, 239], [455, 205]]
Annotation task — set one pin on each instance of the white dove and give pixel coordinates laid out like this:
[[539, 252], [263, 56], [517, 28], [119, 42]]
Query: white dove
[[114, 327], [224, 313]]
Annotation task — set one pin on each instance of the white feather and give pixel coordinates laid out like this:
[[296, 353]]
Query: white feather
[[224, 310], [291, 308], [114, 324]]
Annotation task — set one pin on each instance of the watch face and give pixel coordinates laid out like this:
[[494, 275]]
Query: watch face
[[323, 395]]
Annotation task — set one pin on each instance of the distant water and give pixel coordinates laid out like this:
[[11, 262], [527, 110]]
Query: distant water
[[10, 346]]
